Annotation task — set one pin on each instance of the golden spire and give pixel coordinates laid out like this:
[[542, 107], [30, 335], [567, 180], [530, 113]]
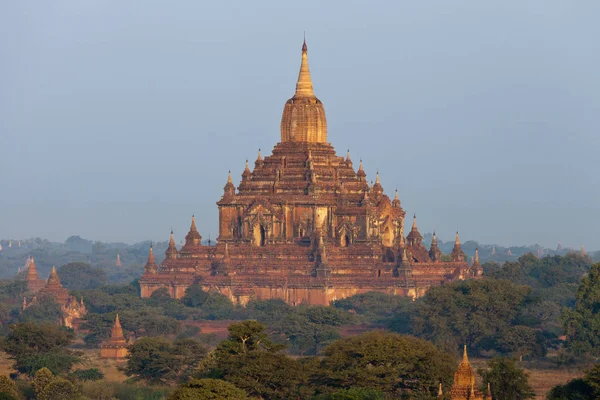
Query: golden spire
[[465, 359], [476, 261], [414, 225], [457, 240], [229, 177], [193, 226], [247, 168], [304, 85], [377, 182], [303, 118], [259, 158], [396, 196], [488, 395], [434, 240], [440, 391], [172, 239], [472, 390]]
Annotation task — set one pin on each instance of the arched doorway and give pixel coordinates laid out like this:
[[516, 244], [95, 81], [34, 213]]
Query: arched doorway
[[344, 241], [260, 235], [388, 237]]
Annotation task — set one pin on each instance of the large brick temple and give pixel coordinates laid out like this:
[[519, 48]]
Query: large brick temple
[[305, 226]]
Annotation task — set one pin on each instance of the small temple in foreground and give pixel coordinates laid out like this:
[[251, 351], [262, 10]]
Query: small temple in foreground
[[463, 387], [306, 226], [116, 346]]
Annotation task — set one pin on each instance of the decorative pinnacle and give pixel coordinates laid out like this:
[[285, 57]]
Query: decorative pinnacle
[[229, 177], [247, 168], [396, 196], [414, 225], [304, 85], [457, 240], [193, 226], [465, 356], [476, 256], [377, 178], [259, 158]]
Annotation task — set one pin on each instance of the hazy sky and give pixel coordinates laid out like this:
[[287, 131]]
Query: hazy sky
[[120, 119]]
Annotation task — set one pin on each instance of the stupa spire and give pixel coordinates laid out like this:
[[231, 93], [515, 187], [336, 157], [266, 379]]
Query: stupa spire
[[151, 255], [476, 260], [117, 329], [303, 118], [465, 358], [304, 85], [414, 225], [457, 240], [488, 395]]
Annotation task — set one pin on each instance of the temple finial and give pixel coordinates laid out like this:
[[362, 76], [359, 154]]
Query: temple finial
[[457, 240], [465, 356], [377, 182], [304, 85], [259, 158], [440, 391], [229, 177], [414, 225], [476, 260]]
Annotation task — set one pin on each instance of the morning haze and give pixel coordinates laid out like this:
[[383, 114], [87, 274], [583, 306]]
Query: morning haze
[[120, 121]]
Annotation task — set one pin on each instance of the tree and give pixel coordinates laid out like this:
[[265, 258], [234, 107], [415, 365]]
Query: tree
[[374, 306], [393, 364], [582, 324], [80, 275], [194, 296], [206, 388], [507, 380], [41, 379], [59, 389], [586, 388], [34, 346], [251, 361], [44, 309], [473, 312], [8, 389], [156, 360]]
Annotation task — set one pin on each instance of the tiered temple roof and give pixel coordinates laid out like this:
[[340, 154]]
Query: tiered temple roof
[[303, 225]]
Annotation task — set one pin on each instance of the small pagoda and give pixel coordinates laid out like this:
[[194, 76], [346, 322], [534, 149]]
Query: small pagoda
[[116, 346], [464, 383]]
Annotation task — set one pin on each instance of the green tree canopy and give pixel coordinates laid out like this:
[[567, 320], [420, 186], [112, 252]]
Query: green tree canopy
[[156, 360], [582, 324], [206, 388], [80, 275], [507, 380], [251, 361], [479, 313], [35, 346], [388, 362]]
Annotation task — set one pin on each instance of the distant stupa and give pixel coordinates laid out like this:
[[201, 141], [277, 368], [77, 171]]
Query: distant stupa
[[583, 253], [540, 252], [9, 244], [509, 253], [19, 243], [559, 247], [493, 250], [118, 263]]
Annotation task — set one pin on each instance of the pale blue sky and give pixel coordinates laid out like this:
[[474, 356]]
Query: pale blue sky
[[120, 119]]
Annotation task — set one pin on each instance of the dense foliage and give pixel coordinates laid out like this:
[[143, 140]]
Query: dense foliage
[[35, 346], [506, 379], [582, 324]]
